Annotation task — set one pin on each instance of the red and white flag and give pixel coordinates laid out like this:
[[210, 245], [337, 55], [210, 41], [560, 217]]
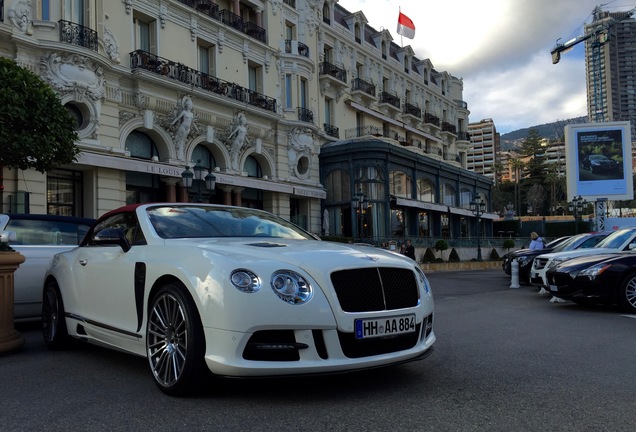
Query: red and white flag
[[405, 26]]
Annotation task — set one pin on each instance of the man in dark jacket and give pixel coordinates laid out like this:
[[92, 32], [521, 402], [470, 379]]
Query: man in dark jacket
[[409, 250]]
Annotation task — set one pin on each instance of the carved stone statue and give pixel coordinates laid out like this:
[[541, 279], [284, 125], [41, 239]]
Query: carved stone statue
[[185, 121], [237, 138]]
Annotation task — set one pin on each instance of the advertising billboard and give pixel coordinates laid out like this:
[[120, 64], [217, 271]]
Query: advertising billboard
[[599, 161]]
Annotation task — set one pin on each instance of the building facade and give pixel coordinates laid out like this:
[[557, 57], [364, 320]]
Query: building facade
[[247, 91], [485, 145], [611, 67]]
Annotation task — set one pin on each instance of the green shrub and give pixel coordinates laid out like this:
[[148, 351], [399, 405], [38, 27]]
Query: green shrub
[[453, 256], [508, 243], [494, 256], [441, 245], [428, 257]]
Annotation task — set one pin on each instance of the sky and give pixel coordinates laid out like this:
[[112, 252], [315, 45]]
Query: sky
[[501, 50]]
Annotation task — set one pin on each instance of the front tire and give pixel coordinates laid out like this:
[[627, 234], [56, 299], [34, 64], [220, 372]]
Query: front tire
[[175, 344], [54, 328], [627, 294]]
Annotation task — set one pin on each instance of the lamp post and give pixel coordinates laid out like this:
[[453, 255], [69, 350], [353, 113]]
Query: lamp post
[[359, 204], [576, 207], [478, 206], [196, 180]]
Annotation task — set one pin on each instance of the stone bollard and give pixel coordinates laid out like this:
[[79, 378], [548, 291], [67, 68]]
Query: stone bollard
[[514, 274], [10, 339]]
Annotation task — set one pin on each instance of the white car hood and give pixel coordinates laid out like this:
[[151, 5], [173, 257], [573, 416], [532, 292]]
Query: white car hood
[[307, 254]]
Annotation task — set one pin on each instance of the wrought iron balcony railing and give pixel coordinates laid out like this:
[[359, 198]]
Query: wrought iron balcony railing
[[291, 3], [463, 136], [413, 110], [207, 7], [231, 19], [431, 119], [447, 127], [363, 131], [303, 49], [331, 130], [391, 99], [77, 34], [327, 68], [254, 31], [362, 85], [305, 115], [179, 72]]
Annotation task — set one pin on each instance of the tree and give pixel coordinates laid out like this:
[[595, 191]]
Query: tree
[[36, 130]]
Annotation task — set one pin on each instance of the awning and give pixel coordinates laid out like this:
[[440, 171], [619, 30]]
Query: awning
[[442, 208]]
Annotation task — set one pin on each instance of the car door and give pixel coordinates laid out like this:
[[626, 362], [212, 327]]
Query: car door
[[106, 279]]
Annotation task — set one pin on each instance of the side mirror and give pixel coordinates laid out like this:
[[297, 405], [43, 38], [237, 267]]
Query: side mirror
[[112, 236]]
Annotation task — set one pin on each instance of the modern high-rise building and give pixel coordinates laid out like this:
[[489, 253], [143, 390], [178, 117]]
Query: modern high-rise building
[[611, 67], [484, 149], [298, 107]]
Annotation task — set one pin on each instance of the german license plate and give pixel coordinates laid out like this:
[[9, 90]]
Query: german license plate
[[370, 328], [554, 288]]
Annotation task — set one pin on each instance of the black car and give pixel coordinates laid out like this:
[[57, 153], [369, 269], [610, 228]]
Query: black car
[[599, 163], [525, 256], [608, 278]]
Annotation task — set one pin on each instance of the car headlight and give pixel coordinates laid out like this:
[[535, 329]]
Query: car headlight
[[245, 281], [556, 262], [595, 270], [423, 279], [522, 260], [291, 287]]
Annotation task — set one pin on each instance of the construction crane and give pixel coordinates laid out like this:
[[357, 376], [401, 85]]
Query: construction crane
[[599, 36]]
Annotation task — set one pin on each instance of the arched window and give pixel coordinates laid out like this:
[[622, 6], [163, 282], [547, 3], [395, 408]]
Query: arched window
[[465, 196], [141, 145], [400, 184], [252, 167], [449, 195], [426, 190], [202, 154]]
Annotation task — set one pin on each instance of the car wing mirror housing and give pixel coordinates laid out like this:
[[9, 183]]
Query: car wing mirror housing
[[112, 236]]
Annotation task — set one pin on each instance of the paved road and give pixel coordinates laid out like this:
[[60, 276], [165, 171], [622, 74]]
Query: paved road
[[505, 360]]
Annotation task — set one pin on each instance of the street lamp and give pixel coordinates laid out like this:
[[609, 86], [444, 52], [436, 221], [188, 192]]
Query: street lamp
[[576, 207], [196, 180], [359, 204], [478, 206]]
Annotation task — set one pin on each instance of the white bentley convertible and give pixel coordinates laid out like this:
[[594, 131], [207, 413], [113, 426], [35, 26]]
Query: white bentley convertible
[[236, 291]]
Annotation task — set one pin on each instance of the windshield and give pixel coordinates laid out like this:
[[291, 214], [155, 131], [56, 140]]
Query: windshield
[[616, 239], [564, 245], [192, 221]]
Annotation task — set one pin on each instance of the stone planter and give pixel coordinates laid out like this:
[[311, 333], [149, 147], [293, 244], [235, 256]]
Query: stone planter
[[10, 339]]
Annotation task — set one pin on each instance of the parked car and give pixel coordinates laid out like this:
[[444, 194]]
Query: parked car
[[623, 239], [599, 163], [236, 291], [525, 256], [605, 278], [38, 237]]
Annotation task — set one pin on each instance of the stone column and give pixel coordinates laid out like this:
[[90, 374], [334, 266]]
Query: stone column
[[10, 339], [171, 189], [227, 194], [236, 196]]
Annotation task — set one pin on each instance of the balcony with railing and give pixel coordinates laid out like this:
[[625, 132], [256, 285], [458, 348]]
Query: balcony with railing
[[290, 3], [296, 47], [331, 130], [389, 98], [363, 131], [179, 72], [412, 110], [334, 71], [363, 91], [305, 115], [431, 119], [463, 136], [206, 7], [79, 35], [231, 19], [254, 31], [448, 127]]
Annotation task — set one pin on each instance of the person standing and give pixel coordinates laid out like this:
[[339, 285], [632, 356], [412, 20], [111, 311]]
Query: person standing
[[409, 250], [536, 242]]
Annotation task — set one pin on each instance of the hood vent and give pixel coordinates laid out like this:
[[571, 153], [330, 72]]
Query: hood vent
[[267, 244]]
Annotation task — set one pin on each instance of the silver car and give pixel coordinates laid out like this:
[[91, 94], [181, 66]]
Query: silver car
[[38, 238]]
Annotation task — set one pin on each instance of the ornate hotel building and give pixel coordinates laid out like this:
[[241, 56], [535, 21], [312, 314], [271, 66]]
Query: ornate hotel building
[[297, 107]]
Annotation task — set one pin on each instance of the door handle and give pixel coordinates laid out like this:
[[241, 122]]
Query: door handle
[[83, 262]]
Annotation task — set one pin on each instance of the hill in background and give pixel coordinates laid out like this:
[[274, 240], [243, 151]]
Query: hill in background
[[551, 131]]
